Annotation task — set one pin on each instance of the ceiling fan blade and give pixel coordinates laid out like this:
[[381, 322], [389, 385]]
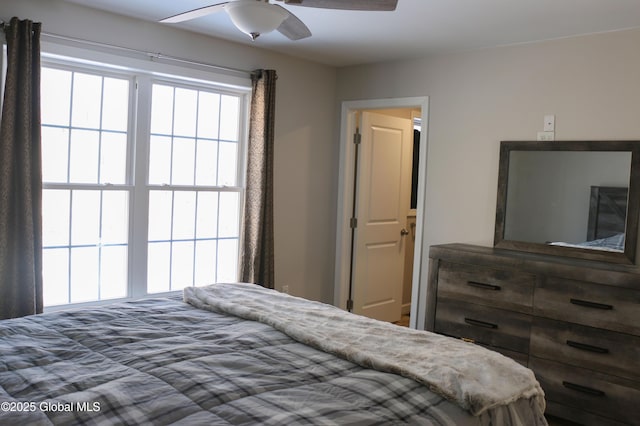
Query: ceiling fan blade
[[293, 28], [195, 13], [368, 5]]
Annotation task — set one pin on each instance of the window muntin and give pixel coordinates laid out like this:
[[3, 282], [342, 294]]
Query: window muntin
[[88, 192]]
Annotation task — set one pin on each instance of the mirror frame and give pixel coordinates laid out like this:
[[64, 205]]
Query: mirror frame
[[633, 202]]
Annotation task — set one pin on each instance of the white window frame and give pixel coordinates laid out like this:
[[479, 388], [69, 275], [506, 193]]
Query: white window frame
[[142, 75]]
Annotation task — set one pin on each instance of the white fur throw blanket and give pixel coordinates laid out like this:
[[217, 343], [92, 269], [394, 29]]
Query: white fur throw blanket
[[473, 377]]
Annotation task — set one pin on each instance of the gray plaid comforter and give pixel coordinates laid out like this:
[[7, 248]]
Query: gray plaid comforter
[[162, 361]]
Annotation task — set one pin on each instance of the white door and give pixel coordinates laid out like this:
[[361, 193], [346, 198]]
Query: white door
[[382, 202]]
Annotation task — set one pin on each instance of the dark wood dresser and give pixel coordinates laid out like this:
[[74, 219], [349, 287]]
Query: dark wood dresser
[[575, 323]]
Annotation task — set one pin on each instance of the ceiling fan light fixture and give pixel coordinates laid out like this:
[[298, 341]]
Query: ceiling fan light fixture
[[255, 17]]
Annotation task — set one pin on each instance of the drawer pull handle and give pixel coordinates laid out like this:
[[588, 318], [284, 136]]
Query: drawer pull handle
[[484, 285], [583, 389], [585, 347], [588, 304], [478, 323]]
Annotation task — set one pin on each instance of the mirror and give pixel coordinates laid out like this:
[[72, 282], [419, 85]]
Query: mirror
[[576, 198]]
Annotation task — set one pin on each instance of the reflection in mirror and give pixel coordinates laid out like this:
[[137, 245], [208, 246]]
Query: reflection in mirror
[[553, 207], [578, 199]]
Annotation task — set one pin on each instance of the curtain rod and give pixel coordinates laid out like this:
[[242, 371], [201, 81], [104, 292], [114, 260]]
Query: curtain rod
[[150, 55]]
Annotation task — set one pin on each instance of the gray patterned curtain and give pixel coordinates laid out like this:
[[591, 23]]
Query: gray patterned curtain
[[21, 175], [256, 260]]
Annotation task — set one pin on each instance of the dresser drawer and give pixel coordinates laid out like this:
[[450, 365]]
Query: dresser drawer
[[482, 324], [597, 393], [606, 351], [577, 416], [493, 287], [521, 358], [595, 305]]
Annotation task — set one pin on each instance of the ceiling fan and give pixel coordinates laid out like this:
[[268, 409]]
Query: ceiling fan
[[255, 17]]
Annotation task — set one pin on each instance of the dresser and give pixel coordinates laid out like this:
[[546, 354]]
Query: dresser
[[575, 323]]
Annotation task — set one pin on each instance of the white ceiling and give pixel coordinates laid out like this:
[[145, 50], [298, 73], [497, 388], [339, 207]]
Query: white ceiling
[[417, 28]]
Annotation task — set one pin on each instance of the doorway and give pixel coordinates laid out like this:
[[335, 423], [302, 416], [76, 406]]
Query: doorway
[[344, 276]]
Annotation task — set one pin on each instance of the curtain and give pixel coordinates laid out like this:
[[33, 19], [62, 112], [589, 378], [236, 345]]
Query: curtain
[[257, 257], [21, 175]]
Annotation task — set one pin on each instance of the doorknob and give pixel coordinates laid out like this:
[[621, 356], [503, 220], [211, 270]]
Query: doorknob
[[404, 232]]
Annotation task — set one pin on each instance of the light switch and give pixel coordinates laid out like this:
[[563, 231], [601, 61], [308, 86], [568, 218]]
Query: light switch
[[549, 123]]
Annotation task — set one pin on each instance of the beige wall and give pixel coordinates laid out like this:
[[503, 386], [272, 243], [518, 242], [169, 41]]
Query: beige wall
[[305, 158], [477, 99]]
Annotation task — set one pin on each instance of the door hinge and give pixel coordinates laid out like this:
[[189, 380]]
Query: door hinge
[[353, 223], [349, 305], [357, 137]]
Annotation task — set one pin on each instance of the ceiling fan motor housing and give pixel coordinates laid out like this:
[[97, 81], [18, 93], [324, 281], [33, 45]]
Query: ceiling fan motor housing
[[255, 17]]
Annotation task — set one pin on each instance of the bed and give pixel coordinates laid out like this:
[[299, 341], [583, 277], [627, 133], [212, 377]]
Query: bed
[[239, 354]]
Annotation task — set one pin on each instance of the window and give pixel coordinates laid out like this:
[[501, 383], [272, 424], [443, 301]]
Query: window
[[117, 223], [194, 201]]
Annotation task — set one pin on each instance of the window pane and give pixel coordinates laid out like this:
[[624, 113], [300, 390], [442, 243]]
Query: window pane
[[206, 162], [115, 105], [205, 263], [160, 206], [55, 272], [113, 158], [184, 215], [229, 219], [207, 222], [228, 164], [85, 217], [87, 96], [208, 115], [227, 261], [185, 112], [229, 118], [162, 109], [115, 217], [181, 265], [55, 217], [184, 155], [158, 264], [84, 156], [84, 274], [160, 160], [55, 153], [113, 272], [55, 98]]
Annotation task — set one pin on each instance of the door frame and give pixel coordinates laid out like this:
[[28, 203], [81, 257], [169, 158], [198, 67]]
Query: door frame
[[346, 189]]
